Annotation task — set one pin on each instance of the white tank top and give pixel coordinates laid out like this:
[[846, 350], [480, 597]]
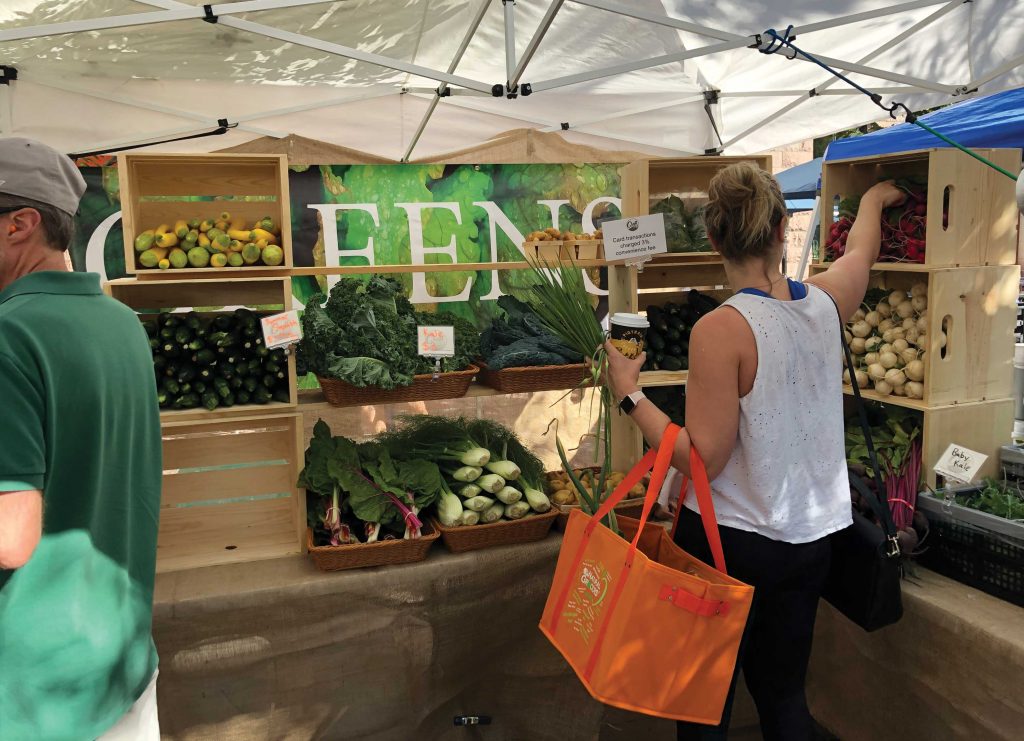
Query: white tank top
[[786, 478]]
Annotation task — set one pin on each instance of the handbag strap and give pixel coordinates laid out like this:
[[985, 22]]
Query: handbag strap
[[881, 510]]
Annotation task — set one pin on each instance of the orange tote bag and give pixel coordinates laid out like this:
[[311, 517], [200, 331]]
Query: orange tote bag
[[645, 626]]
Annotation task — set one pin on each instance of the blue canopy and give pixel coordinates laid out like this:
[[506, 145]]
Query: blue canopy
[[993, 121], [801, 182]]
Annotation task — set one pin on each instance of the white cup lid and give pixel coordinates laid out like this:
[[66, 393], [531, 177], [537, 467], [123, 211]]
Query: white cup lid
[[624, 319]]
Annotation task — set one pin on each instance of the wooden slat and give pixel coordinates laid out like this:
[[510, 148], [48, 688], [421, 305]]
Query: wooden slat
[[212, 448], [650, 379], [237, 411], [206, 175], [206, 536], [695, 275], [227, 484], [181, 293], [983, 427]]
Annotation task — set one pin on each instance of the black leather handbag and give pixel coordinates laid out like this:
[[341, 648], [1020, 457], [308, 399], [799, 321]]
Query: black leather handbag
[[864, 578]]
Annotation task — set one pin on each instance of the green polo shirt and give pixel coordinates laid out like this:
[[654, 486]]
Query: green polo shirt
[[79, 421]]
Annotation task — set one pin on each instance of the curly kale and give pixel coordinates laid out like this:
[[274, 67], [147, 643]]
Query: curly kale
[[365, 335]]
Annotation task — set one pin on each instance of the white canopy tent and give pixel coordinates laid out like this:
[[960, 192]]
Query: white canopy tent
[[667, 77]]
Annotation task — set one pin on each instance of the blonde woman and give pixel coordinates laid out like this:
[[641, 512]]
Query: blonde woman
[[764, 409]]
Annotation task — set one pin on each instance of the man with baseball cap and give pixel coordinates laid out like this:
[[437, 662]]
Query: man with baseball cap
[[80, 471]]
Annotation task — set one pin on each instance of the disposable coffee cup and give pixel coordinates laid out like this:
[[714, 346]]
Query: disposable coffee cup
[[628, 332]]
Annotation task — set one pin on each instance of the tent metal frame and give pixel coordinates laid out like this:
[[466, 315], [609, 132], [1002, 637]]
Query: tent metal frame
[[451, 85]]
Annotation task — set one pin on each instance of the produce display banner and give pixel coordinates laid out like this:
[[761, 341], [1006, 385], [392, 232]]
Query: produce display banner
[[401, 215]]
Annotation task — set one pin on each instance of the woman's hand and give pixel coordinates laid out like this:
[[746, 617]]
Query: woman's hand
[[886, 194], [623, 373]]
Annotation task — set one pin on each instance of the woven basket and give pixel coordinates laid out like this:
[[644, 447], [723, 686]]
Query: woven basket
[[628, 507], [535, 378], [503, 532], [363, 555], [423, 387]]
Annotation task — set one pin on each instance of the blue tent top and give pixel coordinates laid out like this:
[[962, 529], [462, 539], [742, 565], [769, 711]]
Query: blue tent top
[[993, 121], [801, 182]]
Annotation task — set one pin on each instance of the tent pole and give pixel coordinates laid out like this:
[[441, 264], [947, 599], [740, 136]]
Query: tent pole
[[805, 255], [171, 14], [792, 93], [509, 8], [865, 16], [1000, 70], [6, 103], [661, 20], [531, 48], [620, 69], [330, 47], [578, 126], [442, 89], [898, 39]]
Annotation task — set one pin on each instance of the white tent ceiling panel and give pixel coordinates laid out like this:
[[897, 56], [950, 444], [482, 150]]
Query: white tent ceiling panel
[[187, 72]]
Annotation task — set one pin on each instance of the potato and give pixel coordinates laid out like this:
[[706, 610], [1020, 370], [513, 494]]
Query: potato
[[564, 496]]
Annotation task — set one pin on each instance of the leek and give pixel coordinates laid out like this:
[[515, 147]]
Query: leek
[[509, 495], [492, 483], [466, 474], [493, 513], [516, 511], [478, 503], [449, 509], [506, 469], [537, 500]]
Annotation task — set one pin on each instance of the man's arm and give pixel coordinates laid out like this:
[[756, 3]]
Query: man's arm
[[846, 280], [22, 463], [21, 526]]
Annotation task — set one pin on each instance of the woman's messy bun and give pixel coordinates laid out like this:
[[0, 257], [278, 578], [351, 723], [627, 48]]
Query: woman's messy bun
[[745, 208]]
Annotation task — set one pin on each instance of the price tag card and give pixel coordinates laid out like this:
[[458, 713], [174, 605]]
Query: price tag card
[[960, 463], [436, 342], [635, 238], [281, 329]]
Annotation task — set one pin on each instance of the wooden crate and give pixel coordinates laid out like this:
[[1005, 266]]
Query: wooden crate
[[152, 184], [647, 181], [977, 308], [229, 491], [265, 295], [982, 227]]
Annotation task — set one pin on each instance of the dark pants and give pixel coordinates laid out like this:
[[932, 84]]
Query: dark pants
[[776, 648]]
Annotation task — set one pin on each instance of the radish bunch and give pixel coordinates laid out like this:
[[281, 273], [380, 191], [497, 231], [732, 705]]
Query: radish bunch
[[903, 226], [888, 337]]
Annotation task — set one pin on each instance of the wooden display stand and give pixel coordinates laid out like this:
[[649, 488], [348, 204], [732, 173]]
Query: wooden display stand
[[229, 486], [667, 277], [982, 224], [971, 276], [155, 189]]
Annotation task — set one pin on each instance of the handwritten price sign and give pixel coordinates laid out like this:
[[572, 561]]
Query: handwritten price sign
[[436, 342], [281, 329], [960, 464]]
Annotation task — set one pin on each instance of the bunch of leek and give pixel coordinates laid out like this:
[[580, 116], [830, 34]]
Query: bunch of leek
[[559, 297]]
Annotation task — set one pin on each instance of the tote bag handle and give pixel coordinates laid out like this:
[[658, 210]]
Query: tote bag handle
[[702, 488]]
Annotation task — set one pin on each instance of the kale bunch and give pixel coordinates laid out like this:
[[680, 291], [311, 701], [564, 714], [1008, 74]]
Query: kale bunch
[[365, 335]]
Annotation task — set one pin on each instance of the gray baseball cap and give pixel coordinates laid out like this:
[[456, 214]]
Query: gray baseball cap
[[32, 170]]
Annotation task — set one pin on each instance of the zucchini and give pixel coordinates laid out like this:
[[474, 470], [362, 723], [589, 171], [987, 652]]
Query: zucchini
[[222, 322], [162, 399], [235, 383], [172, 387], [171, 321], [182, 336], [186, 401], [187, 373], [195, 345], [281, 395], [200, 387], [154, 343], [269, 381], [167, 333], [673, 335], [152, 330], [656, 341], [206, 373], [242, 397], [210, 400], [205, 357], [242, 368], [261, 396], [159, 362], [661, 325], [225, 370], [675, 351], [251, 383], [227, 401], [221, 387]]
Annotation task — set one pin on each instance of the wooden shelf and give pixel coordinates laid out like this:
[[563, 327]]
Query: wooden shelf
[[907, 267], [649, 379], [240, 410], [892, 399]]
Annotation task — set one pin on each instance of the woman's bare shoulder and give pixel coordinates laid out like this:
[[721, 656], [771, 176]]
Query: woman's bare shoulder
[[724, 328]]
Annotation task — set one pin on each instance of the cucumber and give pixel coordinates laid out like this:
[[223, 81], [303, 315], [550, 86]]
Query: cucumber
[[205, 357], [656, 341], [210, 400], [250, 384], [242, 397], [281, 395], [671, 363]]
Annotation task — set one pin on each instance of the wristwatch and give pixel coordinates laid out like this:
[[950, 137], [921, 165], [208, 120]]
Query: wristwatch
[[628, 404]]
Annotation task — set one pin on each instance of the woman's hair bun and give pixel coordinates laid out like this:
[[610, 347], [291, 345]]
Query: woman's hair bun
[[744, 208]]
